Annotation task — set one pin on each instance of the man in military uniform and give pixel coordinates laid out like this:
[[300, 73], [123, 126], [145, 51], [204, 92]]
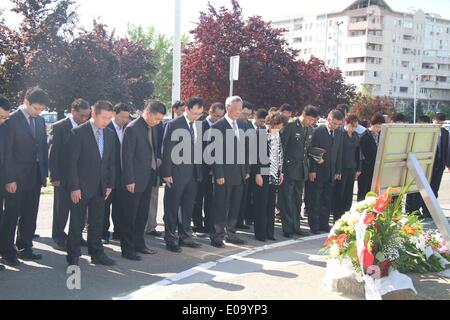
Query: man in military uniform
[[296, 138]]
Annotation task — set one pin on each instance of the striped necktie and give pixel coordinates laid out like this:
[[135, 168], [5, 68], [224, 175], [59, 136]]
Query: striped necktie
[[100, 142]]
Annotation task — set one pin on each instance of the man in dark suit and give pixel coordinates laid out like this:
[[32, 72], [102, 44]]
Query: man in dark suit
[[442, 161], [323, 175], [139, 166], [5, 109], [91, 178], [59, 136], [26, 170], [229, 174], [182, 175], [296, 138], [116, 199], [203, 201], [246, 214]]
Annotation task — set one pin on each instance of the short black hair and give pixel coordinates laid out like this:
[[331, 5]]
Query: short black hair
[[336, 115], [351, 119], [424, 119], [5, 104], [286, 107], [37, 95], [80, 104], [217, 106], [102, 105], [343, 107], [178, 105], [398, 118], [195, 101], [377, 118], [155, 106], [261, 114], [248, 105], [121, 107], [439, 116], [311, 111]]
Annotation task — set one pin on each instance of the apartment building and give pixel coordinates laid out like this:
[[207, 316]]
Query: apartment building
[[382, 51]]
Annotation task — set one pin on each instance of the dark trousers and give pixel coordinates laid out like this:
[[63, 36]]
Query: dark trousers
[[176, 197], [114, 206], [264, 218], [21, 210], [227, 203], [134, 220], [320, 206], [96, 207], [415, 201], [343, 193], [61, 209], [365, 181], [203, 205], [288, 203], [246, 209]]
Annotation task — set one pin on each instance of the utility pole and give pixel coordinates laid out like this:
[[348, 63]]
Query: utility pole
[[176, 78], [338, 25]]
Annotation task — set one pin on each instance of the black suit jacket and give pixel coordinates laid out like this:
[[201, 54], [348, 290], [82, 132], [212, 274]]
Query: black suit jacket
[[3, 133], [87, 171], [235, 173], [117, 156], [137, 155], [444, 160], [296, 142], [57, 156], [369, 148], [23, 150], [181, 173], [333, 157]]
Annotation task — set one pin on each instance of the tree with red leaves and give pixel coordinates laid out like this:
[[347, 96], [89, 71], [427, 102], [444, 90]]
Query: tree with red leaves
[[267, 69], [365, 107]]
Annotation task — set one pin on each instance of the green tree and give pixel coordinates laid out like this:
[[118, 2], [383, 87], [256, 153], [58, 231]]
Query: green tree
[[162, 48]]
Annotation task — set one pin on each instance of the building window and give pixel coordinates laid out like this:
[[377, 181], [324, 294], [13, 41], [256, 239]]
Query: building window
[[405, 64], [357, 33], [404, 89], [298, 40]]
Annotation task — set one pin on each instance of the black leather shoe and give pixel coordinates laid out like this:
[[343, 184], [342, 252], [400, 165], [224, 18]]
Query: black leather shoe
[[235, 241], [84, 243], [313, 231], [28, 255], [243, 227], [146, 251], [260, 239], [192, 244], [218, 244], [131, 256], [2, 268], [325, 229], [10, 261], [60, 245], [103, 259], [173, 247], [36, 236], [155, 233], [287, 235], [71, 261], [272, 238]]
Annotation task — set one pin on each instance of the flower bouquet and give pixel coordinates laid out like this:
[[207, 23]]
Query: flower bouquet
[[376, 241]]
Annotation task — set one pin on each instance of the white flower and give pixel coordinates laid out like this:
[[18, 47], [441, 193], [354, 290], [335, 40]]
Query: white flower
[[334, 251]]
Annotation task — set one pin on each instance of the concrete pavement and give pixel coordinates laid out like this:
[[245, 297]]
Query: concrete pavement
[[288, 270]]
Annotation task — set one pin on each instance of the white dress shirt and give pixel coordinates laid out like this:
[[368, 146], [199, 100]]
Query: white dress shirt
[[72, 121], [230, 121], [193, 125], [119, 131]]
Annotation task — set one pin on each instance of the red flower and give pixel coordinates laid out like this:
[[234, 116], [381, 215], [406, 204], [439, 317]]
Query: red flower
[[368, 220], [342, 239], [368, 258], [381, 203], [331, 238]]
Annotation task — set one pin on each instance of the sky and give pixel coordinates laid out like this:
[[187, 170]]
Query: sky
[[117, 14]]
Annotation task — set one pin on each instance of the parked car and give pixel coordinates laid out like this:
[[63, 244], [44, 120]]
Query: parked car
[[49, 117]]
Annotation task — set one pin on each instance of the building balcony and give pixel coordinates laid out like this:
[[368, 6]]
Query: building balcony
[[375, 39], [435, 85], [355, 26]]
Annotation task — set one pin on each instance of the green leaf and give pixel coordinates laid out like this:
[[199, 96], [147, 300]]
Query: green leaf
[[380, 257]]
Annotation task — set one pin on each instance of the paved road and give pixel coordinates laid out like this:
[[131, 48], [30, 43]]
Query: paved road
[[291, 270]]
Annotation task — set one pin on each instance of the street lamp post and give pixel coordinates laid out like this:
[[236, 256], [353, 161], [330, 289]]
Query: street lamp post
[[338, 25], [176, 79], [415, 96]]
